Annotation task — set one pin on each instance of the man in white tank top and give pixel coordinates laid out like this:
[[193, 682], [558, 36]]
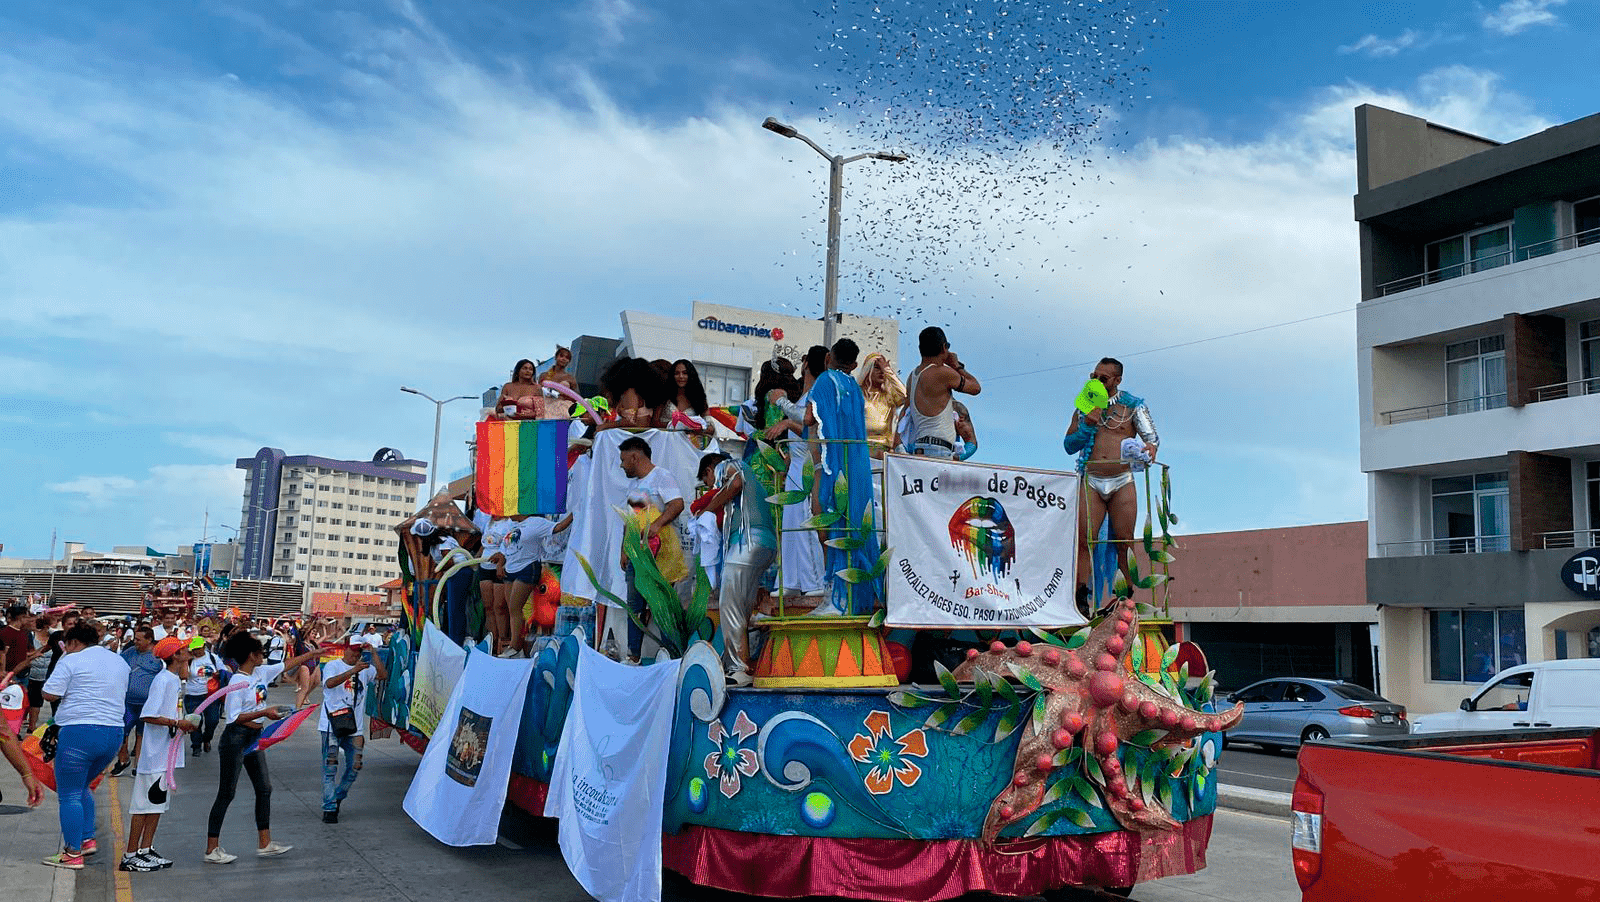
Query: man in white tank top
[[930, 405]]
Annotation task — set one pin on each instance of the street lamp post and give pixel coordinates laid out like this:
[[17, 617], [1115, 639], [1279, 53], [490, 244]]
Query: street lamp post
[[438, 412], [836, 165]]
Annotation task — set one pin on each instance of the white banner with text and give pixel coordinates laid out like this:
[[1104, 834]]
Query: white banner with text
[[979, 546]]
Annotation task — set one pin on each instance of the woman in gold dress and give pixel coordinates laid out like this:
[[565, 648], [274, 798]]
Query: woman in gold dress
[[885, 396]]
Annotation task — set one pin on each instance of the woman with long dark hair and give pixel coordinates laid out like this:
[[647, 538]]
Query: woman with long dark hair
[[521, 398], [244, 712], [635, 390], [761, 411], [688, 395]]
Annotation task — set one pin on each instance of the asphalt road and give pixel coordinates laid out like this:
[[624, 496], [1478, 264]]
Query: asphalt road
[[377, 852], [1257, 768]]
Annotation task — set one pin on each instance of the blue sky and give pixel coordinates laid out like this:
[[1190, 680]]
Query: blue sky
[[224, 226]]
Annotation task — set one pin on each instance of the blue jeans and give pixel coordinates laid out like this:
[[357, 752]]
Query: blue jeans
[[640, 609], [209, 718], [83, 751], [335, 788], [457, 593]]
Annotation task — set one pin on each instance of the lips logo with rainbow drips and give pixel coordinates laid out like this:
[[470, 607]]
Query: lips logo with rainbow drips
[[982, 532]]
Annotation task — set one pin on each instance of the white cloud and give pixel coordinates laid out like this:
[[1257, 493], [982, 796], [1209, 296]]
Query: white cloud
[[174, 502], [303, 269], [1372, 45], [1515, 16]]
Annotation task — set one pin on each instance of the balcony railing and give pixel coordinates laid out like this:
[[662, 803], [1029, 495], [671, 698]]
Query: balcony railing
[[1454, 545], [1566, 390], [1572, 538], [1444, 409], [1491, 261]]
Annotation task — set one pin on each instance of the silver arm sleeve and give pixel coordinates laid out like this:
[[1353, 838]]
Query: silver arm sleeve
[[1145, 426]]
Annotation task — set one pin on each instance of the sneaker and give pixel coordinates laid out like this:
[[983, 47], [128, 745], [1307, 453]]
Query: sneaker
[[219, 856], [273, 849], [330, 816], [137, 863], [89, 847], [154, 857], [119, 767], [64, 859]]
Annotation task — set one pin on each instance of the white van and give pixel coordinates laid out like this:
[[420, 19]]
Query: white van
[[1546, 694]]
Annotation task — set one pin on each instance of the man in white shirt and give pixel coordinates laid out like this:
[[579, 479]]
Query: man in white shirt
[[204, 667], [163, 724], [648, 486], [344, 689]]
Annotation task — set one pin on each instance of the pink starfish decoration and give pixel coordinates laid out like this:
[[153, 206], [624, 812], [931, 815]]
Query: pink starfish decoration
[[1089, 697]]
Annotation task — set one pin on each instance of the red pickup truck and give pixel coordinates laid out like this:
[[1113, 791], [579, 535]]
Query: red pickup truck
[[1450, 817]]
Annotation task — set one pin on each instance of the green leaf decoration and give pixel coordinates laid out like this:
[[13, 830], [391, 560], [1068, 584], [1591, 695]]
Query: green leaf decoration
[[1047, 636], [823, 520], [904, 699], [1070, 756], [1164, 794], [1081, 818], [1086, 792], [1003, 687], [1009, 721], [1119, 586], [589, 572], [794, 496], [971, 722], [1024, 677], [948, 680], [1133, 569], [1146, 738], [1159, 556], [1054, 793], [882, 567], [1183, 673], [1078, 638], [699, 601], [846, 543], [1040, 711], [938, 718], [1042, 824], [1149, 536], [854, 575], [981, 682], [1169, 656], [1092, 765], [1137, 655], [877, 618], [1153, 580]]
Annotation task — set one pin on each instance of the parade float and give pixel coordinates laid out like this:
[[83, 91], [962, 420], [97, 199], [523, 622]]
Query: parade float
[[1061, 751]]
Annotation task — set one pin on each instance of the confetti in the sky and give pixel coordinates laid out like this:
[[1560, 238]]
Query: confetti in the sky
[[1002, 106]]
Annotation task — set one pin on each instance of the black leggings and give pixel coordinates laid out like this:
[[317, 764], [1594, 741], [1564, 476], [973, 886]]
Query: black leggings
[[230, 753]]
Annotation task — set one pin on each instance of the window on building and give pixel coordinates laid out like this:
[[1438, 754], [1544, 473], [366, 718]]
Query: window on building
[[1589, 355], [288, 521], [1586, 221], [294, 474], [288, 537], [1471, 513], [299, 566], [1474, 251], [336, 506], [1593, 485], [1472, 645], [291, 504], [724, 384], [1475, 374], [304, 534]]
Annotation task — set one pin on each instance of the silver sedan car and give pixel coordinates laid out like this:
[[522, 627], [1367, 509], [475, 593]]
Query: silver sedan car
[[1285, 712]]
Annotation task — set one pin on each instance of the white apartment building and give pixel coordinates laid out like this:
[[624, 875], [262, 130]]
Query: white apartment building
[[1478, 352], [325, 522]]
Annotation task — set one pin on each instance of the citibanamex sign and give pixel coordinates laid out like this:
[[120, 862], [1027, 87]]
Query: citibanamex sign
[[713, 324], [1581, 573]]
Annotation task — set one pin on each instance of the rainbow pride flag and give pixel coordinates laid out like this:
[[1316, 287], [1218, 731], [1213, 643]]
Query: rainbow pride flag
[[522, 467]]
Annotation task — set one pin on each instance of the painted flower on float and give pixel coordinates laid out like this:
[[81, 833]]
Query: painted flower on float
[[890, 758], [731, 762]]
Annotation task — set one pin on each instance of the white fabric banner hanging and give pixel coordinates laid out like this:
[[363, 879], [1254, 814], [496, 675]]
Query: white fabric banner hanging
[[975, 545], [608, 785], [594, 495], [460, 785], [439, 666]]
